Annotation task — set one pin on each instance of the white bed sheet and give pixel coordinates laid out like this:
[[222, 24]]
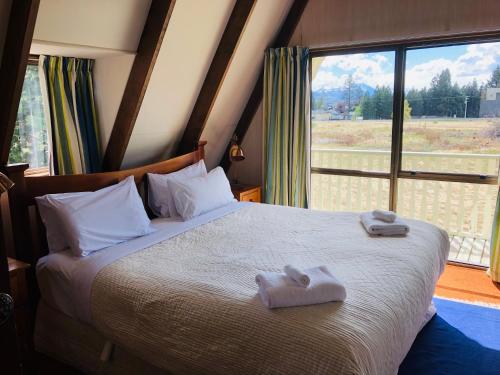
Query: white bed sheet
[[65, 281]]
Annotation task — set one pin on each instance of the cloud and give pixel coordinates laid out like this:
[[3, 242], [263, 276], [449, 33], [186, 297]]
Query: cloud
[[477, 62], [327, 80], [372, 69]]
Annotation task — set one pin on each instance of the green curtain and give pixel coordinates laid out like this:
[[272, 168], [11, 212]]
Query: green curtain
[[286, 123], [74, 127], [494, 270]]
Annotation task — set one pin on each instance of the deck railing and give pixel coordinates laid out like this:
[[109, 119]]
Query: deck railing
[[462, 209]]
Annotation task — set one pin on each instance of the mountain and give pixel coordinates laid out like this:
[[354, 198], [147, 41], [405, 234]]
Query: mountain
[[334, 95]]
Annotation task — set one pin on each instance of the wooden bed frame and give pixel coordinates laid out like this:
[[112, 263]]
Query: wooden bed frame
[[28, 232]]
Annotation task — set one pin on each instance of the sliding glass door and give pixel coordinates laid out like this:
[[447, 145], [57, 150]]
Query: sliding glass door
[[352, 103], [412, 128], [451, 143]]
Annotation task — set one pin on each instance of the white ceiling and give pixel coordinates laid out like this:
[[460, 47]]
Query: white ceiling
[[113, 24], [264, 23], [109, 31], [188, 47]]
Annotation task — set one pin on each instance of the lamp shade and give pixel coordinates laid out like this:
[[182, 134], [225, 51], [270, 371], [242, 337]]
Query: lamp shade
[[235, 151], [5, 183]]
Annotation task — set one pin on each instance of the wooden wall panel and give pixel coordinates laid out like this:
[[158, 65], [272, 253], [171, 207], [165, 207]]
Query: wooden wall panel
[[329, 23]]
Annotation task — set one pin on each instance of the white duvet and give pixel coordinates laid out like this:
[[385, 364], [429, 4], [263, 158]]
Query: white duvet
[[189, 304]]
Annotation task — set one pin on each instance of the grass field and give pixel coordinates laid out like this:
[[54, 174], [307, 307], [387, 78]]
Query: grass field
[[480, 136]]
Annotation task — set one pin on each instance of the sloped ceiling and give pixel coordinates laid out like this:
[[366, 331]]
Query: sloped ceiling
[[111, 24], [264, 24], [192, 37], [109, 31]]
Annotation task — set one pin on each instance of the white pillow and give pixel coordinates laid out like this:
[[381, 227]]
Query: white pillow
[[198, 195], [48, 213], [160, 198], [99, 219]]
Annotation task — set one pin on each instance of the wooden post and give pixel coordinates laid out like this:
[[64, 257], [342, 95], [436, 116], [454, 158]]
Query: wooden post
[[19, 212]]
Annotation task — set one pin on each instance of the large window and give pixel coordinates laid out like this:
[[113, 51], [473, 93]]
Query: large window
[[352, 110], [454, 98], [30, 140], [413, 129]]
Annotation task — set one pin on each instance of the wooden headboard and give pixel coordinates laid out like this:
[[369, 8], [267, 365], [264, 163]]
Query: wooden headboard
[[27, 229]]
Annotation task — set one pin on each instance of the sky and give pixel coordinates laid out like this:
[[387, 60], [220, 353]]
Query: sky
[[465, 63]]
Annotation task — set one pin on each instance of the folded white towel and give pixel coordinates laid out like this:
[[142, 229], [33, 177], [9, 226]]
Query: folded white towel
[[297, 275], [378, 227], [387, 216], [279, 290]]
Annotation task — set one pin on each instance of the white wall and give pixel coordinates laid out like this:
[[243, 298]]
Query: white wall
[[328, 23], [110, 78], [188, 47], [114, 24], [246, 65], [4, 22], [109, 29], [192, 37], [105, 30]]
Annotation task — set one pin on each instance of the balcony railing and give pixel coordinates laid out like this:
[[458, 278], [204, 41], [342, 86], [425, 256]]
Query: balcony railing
[[464, 210]]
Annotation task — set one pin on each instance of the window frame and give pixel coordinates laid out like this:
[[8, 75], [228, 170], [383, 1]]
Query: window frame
[[36, 171], [400, 48]]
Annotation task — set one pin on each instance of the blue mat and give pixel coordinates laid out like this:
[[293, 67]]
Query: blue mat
[[462, 339]]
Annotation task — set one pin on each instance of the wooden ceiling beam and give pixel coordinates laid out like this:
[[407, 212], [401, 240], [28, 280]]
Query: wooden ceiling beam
[[144, 62], [281, 40], [13, 68], [216, 74]]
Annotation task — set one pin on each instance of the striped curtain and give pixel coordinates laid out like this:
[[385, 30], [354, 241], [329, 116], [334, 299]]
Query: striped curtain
[[74, 127], [494, 270], [286, 122]]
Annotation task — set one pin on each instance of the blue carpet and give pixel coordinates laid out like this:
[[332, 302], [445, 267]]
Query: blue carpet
[[461, 339]]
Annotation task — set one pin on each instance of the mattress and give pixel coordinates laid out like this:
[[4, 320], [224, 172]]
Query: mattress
[[80, 345], [65, 281], [189, 304]]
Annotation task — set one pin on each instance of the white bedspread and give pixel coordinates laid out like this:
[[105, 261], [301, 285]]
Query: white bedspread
[[65, 281], [189, 304]]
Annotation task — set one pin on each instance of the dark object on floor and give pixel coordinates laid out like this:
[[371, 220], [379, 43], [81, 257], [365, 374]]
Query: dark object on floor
[[462, 339]]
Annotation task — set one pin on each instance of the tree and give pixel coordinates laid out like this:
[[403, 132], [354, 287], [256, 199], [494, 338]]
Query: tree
[[358, 111], [367, 107], [416, 101], [377, 106], [407, 110], [440, 94], [318, 103], [494, 81], [442, 98], [351, 94], [341, 108], [472, 94], [383, 102], [30, 143]]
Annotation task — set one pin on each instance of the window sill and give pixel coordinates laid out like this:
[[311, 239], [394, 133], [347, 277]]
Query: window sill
[[37, 172]]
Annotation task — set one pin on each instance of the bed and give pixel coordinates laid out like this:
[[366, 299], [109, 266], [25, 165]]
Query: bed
[[183, 299]]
